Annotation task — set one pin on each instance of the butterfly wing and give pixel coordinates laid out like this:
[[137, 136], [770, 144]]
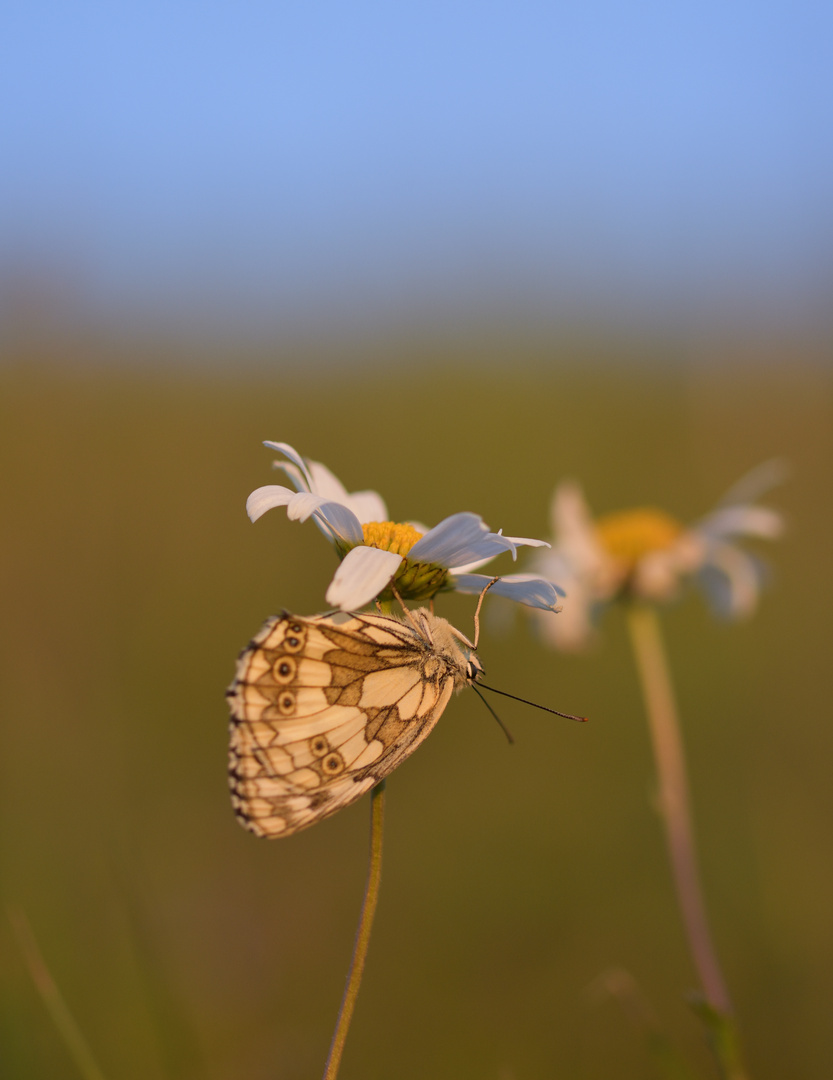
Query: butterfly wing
[[323, 709]]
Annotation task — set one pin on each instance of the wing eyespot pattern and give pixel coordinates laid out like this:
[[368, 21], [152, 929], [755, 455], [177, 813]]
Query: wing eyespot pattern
[[324, 708], [295, 639], [332, 764], [286, 703], [319, 745], [285, 669]]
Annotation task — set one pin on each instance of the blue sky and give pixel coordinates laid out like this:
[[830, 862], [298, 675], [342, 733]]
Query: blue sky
[[276, 163]]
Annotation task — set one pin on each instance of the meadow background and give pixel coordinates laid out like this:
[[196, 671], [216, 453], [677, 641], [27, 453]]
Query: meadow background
[[516, 878], [458, 252]]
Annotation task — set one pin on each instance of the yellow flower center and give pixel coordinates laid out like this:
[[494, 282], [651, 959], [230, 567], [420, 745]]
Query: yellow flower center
[[413, 580], [390, 536], [632, 534]]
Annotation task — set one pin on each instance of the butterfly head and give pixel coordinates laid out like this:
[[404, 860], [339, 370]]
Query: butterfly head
[[469, 665], [474, 669]]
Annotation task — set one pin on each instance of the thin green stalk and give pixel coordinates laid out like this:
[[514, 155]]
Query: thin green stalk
[[69, 1031], [371, 897], [675, 812]]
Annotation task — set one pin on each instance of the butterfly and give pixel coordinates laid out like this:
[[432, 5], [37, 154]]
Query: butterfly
[[323, 708]]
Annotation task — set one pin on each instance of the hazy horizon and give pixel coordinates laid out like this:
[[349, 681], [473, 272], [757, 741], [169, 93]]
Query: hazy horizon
[[305, 167]]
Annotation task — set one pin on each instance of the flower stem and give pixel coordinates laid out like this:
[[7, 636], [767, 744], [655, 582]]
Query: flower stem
[[63, 1020], [371, 897], [675, 811]]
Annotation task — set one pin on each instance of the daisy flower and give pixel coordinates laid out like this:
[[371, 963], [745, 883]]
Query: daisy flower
[[646, 554], [378, 555]]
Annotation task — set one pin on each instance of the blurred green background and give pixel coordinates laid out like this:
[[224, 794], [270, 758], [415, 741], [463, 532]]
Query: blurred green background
[[516, 879]]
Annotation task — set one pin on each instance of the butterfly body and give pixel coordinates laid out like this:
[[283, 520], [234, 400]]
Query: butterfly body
[[323, 708]]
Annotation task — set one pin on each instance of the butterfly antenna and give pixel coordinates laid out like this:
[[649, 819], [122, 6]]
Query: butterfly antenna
[[534, 704], [409, 615], [503, 726], [477, 613]]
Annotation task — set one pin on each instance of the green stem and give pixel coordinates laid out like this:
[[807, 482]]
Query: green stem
[[675, 811], [61, 1017], [371, 897]]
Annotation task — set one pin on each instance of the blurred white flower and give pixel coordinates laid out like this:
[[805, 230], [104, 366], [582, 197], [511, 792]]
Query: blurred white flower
[[378, 555], [645, 554]]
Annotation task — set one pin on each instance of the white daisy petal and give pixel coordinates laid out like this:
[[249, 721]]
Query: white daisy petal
[[528, 589], [314, 478], [296, 459], [453, 542], [491, 545], [481, 552], [651, 563], [317, 479], [494, 544], [298, 478], [343, 523], [525, 541], [363, 573], [326, 483], [552, 566], [460, 542], [367, 506], [573, 526], [266, 498], [303, 505], [756, 482], [657, 575], [331, 517], [732, 580], [743, 521], [572, 629], [475, 564]]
